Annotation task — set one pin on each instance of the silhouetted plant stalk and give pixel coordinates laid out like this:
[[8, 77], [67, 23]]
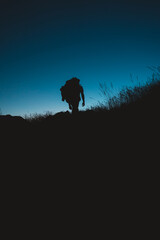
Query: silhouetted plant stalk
[[108, 94]]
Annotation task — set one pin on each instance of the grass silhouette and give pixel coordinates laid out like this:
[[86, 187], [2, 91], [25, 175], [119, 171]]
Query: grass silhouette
[[138, 96]]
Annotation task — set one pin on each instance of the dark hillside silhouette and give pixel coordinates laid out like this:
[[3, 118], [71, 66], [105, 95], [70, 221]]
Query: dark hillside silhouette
[[96, 162], [133, 104], [129, 128], [132, 115]]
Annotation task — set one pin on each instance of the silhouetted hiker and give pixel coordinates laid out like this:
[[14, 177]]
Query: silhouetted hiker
[[71, 92]]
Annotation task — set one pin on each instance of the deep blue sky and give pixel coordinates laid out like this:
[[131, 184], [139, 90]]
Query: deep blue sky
[[43, 43]]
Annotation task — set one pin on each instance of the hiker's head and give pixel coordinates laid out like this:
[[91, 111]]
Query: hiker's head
[[76, 80]]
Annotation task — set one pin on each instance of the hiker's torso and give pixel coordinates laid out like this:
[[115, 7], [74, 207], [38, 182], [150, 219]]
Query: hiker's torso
[[73, 92]]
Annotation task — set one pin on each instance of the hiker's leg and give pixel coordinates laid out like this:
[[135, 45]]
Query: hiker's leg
[[70, 106], [75, 107]]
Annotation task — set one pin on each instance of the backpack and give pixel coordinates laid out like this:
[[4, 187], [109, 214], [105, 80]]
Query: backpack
[[68, 89], [65, 92]]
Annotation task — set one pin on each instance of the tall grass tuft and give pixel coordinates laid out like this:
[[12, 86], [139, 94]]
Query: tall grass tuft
[[131, 95]]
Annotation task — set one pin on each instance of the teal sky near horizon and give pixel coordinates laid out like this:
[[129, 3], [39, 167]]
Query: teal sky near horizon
[[45, 43]]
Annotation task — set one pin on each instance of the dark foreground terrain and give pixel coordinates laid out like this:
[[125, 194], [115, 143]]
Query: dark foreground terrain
[[97, 166], [131, 122], [127, 133]]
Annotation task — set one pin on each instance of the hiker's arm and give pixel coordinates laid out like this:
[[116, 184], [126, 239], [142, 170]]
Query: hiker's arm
[[62, 94], [83, 98]]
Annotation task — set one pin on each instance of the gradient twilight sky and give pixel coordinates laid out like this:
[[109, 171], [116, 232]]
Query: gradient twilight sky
[[43, 43]]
